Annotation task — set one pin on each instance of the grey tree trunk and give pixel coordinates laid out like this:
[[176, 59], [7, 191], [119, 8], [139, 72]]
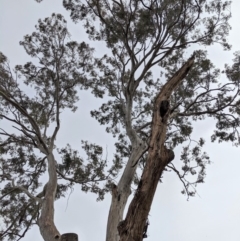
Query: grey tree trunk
[[121, 192], [46, 224]]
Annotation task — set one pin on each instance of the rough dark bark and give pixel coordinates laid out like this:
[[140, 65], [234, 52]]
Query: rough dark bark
[[69, 237], [132, 228]]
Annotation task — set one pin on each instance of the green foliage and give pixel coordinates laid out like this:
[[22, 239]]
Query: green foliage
[[137, 22], [89, 173], [142, 34], [32, 102]]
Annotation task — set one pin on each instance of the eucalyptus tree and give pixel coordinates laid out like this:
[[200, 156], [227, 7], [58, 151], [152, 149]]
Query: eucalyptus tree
[[151, 116], [33, 97]]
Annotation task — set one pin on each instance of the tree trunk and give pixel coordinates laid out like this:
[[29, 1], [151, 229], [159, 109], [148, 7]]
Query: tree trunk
[[46, 224], [132, 228], [121, 192], [69, 237]]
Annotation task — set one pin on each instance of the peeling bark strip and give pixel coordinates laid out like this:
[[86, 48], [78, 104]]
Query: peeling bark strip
[[131, 229]]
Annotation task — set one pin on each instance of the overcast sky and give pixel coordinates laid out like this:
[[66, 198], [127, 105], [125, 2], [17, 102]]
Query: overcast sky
[[213, 215]]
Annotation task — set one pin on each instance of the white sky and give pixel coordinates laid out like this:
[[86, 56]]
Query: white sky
[[215, 215]]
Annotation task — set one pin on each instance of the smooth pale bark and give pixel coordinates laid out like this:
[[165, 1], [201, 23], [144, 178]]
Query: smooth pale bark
[[46, 224], [121, 192], [131, 229]]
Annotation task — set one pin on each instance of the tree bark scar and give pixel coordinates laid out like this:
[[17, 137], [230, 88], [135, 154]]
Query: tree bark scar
[[163, 108], [114, 190]]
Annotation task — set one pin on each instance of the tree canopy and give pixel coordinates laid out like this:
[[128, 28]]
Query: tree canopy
[[143, 37], [32, 100]]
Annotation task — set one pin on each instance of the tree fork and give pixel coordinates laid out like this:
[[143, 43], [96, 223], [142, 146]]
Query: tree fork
[[121, 192], [131, 229]]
